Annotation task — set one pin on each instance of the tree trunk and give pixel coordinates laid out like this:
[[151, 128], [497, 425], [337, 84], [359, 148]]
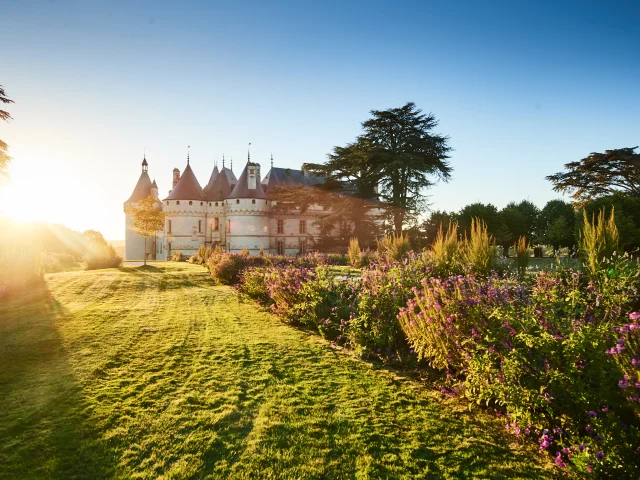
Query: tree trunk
[[145, 251], [505, 251]]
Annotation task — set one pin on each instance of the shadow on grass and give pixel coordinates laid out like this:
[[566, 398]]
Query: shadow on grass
[[45, 430]]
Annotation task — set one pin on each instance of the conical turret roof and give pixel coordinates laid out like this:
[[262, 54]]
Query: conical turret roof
[[212, 179], [242, 190], [187, 187], [221, 186], [143, 188]]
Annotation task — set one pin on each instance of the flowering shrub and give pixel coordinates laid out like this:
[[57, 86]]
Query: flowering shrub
[[225, 268], [541, 350], [384, 290]]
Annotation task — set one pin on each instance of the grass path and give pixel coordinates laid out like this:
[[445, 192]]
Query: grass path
[[157, 373]]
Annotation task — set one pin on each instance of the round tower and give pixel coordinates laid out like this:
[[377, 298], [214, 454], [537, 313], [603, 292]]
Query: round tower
[[134, 247], [247, 213]]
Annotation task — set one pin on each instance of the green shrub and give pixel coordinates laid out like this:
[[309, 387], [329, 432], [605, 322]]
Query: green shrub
[[105, 257], [177, 257], [598, 240], [252, 284], [394, 247], [479, 250]]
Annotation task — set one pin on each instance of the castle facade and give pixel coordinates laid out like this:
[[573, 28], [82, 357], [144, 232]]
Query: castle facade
[[233, 213]]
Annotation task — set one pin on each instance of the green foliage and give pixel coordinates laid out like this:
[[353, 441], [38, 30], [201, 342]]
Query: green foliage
[[100, 254], [522, 250], [598, 240], [5, 159], [177, 256], [487, 213], [627, 217], [393, 247], [479, 250], [556, 225], [600, 174], [518, 220], [201, 257]]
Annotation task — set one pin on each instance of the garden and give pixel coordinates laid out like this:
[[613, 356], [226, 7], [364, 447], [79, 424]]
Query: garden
[[552, 351]]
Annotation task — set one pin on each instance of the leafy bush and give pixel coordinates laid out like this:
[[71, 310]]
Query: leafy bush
[[384, 290], [177, 257], [105, 257], [393, 248], [539, 348], [479, 250], [598, 240], [252, 284]]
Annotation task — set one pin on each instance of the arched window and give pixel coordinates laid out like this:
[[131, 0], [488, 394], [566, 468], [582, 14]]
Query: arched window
[[237, 201], [201, 203], [216, 204], [167, 202], [190, 202], [209, 203], [253, 201], [178, 202]]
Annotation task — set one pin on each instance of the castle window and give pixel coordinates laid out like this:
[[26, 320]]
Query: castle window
[[303, 246], [280, 226], [169, 229], [237, 201], [190, 202], [253, 201], [178, 202], [280, 247], [228, 225], [201, 204], [216, 224], [303, 226], [216, 204], [167, 202], [199, 226]]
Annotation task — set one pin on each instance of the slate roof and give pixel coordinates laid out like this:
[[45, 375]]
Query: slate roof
[[212, 179], [221, 186], [142, 189], [187, 187], [242, 190], [287, 177]]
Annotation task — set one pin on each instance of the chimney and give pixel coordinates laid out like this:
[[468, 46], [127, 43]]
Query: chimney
[[253, 177], [176, 177]]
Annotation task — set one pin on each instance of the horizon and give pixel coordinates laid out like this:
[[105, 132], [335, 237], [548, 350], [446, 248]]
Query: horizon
[[519, 89]]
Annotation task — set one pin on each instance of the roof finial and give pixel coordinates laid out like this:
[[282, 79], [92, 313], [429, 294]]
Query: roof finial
[[231, 164], [223, 160], [188, 151], [144, 162], [271, 159], [249, 153]]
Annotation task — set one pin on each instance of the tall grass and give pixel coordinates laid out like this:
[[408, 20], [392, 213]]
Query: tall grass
[[599, 239], [446, 249], [394, 247], [479, 248], [354, 253], [522, 250]]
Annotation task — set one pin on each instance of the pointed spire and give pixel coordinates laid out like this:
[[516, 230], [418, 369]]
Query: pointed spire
[[144, 162], [223, 160], [272, 160], [249, 153], [188, 151], [232, 164]]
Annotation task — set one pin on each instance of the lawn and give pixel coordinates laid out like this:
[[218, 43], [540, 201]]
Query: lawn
[[157, 373]]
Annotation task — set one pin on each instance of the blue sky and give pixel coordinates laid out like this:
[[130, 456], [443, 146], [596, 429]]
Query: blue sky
[[521, 88]]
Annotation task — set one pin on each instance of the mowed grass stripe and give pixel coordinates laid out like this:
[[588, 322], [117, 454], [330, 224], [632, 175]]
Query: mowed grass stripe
[[157, 373]]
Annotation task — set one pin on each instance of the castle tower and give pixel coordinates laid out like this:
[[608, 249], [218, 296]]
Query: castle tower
[[186, 209], [134, 243], [247, 212]]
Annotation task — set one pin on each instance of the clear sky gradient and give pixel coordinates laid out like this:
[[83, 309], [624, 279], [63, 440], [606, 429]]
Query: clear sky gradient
[[521, 87]]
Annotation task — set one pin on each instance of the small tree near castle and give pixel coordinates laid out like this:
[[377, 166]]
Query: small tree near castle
[[148, 219]]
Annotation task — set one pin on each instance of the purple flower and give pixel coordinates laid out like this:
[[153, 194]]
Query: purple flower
[[589, 468], [634, 315], [605, 409], [593, 414], [588, 428], [581, 447], [623, 383], [599, 438], [599, 455]]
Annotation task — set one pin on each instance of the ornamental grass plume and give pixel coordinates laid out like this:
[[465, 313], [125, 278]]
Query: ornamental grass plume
[[355, 255], [479, 249], [522, 251], [598, 240], [446, 249], [394, 247]]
